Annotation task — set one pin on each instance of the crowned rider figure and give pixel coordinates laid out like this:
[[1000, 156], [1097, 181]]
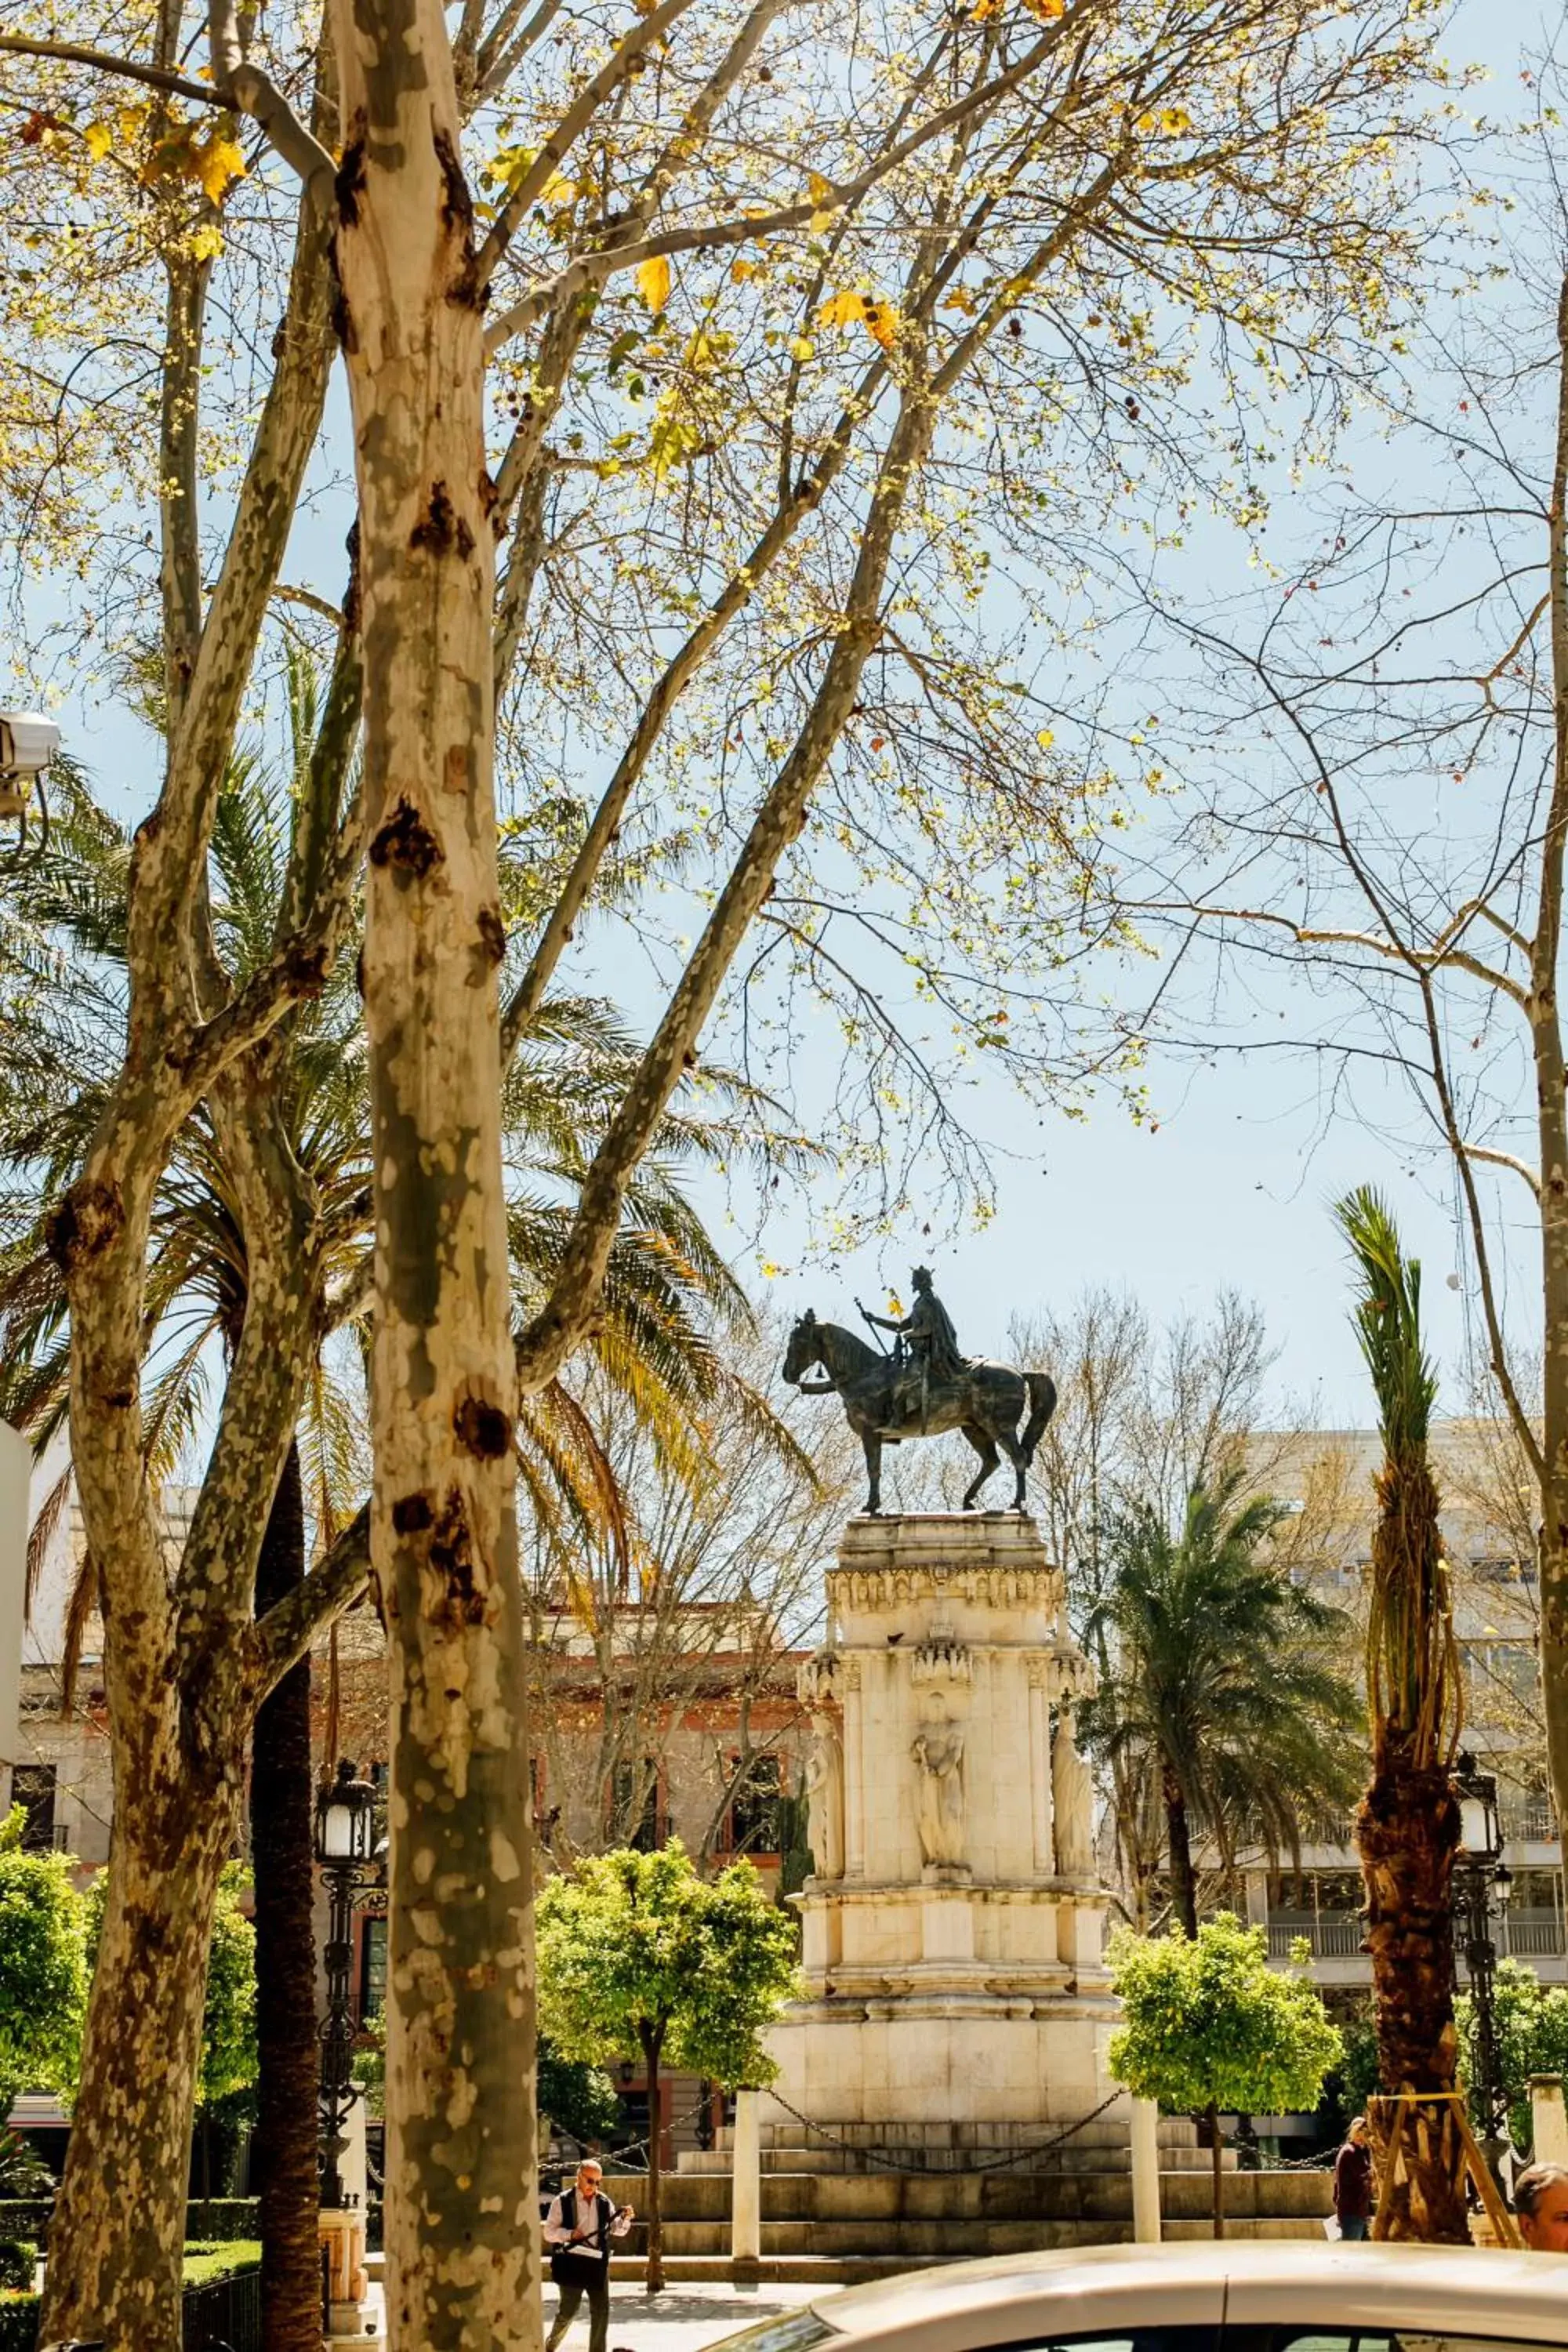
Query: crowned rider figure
[[928, 1348]]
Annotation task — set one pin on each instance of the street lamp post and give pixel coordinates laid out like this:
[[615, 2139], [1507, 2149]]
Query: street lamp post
[[1482, 1884], [345, 1834], [346, 1851]]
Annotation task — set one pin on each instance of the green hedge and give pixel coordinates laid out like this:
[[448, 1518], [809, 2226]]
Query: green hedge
[[221, 2222], [206, 2265], [18, 2321]]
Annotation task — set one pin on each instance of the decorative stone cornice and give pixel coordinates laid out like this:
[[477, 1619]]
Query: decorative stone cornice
[[819, 1680], [1070, 1675], [867, 1589], [943, 1659]]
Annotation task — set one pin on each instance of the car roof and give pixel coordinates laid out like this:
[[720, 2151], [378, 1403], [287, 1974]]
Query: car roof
[[1424, 2290]]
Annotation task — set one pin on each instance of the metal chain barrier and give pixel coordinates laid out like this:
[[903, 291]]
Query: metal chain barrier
[[632, 2148], [995, 2164]]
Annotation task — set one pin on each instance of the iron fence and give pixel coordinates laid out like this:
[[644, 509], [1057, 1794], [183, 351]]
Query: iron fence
[[228, 2312]]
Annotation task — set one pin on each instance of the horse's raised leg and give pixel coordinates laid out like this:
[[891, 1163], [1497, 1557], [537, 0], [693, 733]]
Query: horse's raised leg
[[873, 1449], [985, 1447]]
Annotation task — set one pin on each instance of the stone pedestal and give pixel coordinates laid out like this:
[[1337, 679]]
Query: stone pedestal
[[953, 1932], [350, 2314]]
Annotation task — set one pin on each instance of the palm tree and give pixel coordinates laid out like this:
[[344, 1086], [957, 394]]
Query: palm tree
[[62, 1005], [1223, 1693], [1407, 1826]]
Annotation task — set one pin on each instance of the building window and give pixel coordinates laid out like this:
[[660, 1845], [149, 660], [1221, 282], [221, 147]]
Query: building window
[[756, 1823], [373, 1979], [628, 1825], [33, 1788]]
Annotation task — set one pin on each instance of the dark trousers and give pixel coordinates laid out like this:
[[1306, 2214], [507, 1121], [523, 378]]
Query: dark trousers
[[1354, 2225], [597, 2287]]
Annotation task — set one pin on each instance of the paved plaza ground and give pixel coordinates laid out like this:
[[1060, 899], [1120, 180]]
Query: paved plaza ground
[[684, 2318]]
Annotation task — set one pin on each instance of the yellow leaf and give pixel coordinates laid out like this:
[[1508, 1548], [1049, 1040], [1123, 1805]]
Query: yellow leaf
[[882, 323], [1045, 738], [821, 189], [879, 318], [842, 309], [819, 224], [206, 242], [99, 139], [741, 270], [216, 163], [800, 347], [653, 281], [1175, 119], [1048, 9]]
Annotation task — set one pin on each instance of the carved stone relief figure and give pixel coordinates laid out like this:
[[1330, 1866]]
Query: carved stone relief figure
[[825, 1791], [1072, 1802], [937, 1752]]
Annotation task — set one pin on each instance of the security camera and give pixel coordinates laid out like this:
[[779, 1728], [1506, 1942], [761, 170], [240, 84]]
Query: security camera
[[28, 741]]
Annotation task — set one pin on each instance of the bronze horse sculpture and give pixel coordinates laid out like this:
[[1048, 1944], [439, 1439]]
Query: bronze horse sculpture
[[986, 1401]]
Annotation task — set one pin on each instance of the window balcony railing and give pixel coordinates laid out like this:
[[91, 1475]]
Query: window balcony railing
[[1333, 1935], [1526, 1933], [1528, 1820], [1521, 1934]]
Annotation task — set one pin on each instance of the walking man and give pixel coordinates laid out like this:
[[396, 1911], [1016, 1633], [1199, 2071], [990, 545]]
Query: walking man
[[1352, 2182], [578, 2229]]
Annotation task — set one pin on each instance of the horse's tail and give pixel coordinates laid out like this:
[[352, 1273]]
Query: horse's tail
[[1043, 1403]]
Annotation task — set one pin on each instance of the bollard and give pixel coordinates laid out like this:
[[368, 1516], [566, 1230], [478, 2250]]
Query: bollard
[[746, 2185], [1549, 2118], [1145, 2172]]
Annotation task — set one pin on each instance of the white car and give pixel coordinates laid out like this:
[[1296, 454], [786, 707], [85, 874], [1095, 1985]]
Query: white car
[[1224, 2297]]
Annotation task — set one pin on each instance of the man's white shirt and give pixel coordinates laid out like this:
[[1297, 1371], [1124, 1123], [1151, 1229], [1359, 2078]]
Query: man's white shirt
[[556, 2232]]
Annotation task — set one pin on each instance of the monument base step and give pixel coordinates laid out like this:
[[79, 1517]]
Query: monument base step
[[850, 2270]]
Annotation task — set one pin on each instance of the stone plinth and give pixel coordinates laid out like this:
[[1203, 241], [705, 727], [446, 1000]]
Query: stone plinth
[[952, 1931]]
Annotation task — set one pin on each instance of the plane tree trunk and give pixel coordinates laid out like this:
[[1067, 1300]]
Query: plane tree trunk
[[462, 2225]]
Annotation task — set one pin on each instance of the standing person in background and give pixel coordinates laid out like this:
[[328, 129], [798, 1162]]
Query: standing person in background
[[578, 2229], [1352, 2182]]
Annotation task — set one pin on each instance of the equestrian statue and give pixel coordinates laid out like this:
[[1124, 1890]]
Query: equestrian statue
[[922, 1389]]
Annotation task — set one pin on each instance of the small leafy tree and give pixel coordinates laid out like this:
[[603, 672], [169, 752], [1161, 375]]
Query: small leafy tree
[[1530, 2021], [1208, 2025], [577, 2098], [639, 1956], [43, 1969]]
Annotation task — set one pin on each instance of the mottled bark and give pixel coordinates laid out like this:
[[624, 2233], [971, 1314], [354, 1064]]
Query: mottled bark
[[461, 2223], [282, 1862], [119, 2223]]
